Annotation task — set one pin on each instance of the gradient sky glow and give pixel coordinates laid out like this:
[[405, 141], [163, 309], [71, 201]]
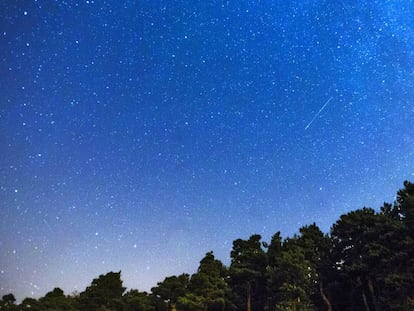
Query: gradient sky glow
[[138, 135]]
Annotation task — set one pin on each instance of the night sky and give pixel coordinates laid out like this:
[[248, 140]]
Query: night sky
[[138, 135]]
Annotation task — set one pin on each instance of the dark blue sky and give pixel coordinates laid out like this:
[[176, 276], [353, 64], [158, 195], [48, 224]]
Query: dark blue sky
[[138, 135]]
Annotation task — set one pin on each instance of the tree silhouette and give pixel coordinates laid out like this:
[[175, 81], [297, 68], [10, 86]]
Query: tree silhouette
[[208, 288], [104, 293], [247, 273], [134, 300], [7, 302], [171, 289]]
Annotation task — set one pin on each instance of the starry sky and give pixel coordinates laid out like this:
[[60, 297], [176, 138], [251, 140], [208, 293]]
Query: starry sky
[[138, 135]]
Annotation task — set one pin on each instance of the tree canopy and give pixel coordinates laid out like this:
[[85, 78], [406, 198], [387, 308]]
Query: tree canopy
[[365, 263]]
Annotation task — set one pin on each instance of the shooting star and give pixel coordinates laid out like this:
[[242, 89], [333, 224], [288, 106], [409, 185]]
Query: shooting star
[[47, 224], [319, 112]]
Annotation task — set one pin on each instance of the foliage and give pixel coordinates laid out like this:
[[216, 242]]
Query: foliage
[[171, 289], [134, 300], [104, 293], [247, 273], [8, 302], [52, 301], [208, 288]]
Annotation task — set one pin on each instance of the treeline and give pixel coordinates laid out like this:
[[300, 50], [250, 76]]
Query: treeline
[[365, 263]]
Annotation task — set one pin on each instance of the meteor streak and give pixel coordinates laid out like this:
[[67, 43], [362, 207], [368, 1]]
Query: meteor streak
[[319, 112]]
